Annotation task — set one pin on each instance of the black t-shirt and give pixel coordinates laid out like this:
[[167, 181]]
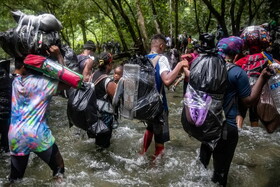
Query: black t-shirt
[[100, 88]]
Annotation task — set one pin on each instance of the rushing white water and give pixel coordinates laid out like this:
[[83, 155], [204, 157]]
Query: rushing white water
[[256, 161]]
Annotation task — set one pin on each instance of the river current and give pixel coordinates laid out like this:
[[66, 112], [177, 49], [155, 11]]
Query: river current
[[256, 162]]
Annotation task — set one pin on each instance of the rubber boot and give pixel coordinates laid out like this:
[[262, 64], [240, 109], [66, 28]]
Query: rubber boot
[[158, 151], [148, 136]]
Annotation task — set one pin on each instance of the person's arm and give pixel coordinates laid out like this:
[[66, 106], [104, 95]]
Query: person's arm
[[257, 89], [187, 72], [88, 69], [55, 52], [182, 77], [168, 77], [62, 86]]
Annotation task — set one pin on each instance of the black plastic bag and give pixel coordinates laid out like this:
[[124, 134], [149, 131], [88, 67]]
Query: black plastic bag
[[97, 129], [33, 35], [208, 76], [70, 57], [5, 90], [211, 131], [82, 108], [19, 42], [208, 73]]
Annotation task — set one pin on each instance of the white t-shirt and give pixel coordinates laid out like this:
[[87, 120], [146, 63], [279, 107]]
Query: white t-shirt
[[163, 64]]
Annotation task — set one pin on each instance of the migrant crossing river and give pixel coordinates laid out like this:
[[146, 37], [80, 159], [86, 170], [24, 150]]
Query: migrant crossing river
[[256, 161]]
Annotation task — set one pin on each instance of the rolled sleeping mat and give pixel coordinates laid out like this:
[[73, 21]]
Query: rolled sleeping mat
[[54, 70]]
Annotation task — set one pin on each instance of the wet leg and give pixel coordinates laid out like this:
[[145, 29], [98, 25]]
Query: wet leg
[[18, 166], [54, 159], [147, 139]]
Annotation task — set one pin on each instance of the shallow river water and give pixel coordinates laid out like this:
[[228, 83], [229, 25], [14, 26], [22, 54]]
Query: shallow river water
[[256, 162]]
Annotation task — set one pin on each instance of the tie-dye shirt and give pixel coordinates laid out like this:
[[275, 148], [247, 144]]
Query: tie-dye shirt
[[29, 131]]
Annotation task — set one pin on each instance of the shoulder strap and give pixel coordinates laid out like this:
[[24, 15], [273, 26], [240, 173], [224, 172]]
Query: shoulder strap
[[103, 76], [155, 60], [230, 66], [82, 58]]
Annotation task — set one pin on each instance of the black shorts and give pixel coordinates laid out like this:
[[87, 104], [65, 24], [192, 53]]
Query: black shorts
[[160, 128]]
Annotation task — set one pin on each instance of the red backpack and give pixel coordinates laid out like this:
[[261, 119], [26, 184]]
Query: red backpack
[[253, 64]]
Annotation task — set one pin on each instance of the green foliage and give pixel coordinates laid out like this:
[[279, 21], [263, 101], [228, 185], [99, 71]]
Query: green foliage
[[95, 18]]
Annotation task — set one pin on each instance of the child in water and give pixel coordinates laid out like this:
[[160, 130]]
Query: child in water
[[118, 73]]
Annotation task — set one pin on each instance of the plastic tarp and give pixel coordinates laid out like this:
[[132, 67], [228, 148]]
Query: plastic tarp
[[33, 35], [202, 115], [139, 97]]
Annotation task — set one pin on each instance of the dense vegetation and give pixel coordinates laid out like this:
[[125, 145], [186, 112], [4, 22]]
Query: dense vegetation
[[133, 22]]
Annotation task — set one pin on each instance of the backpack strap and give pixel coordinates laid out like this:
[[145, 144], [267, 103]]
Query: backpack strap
[[103, 76], [229, 66], [82, 58], [155, 60]]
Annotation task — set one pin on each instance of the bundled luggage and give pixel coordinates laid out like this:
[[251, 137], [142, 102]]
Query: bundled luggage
[[202, 115], [35, 35], [136, 92]]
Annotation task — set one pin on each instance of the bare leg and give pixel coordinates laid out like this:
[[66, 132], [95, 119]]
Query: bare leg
[[239, 121]]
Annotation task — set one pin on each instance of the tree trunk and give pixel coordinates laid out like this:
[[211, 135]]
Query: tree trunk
[[220, 17], [171, 21], [135, 21], [256, 9], [73, 35], [127, 21], [141, 22], [196, 17], [250, 12], [208, 22], [156, 20], [176, 23], [232, 16], [238, 17], [119, 30], [116, 23], [83, 28]]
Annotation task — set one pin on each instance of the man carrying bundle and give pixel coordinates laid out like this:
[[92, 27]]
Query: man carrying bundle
[[164, 77]]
